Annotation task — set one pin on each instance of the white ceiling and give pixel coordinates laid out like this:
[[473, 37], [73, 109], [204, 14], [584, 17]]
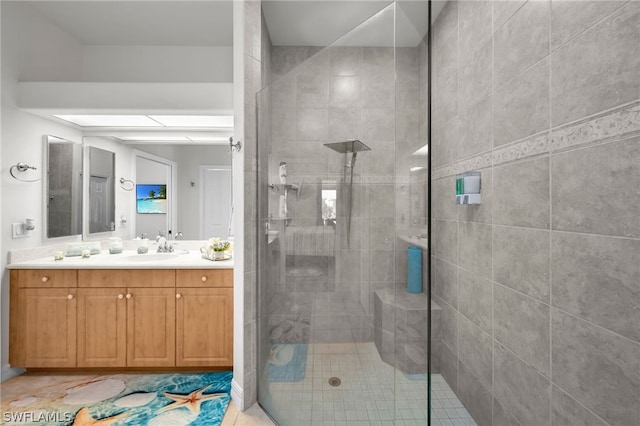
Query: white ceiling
[[210, 22], [144, 23], [350, 22]]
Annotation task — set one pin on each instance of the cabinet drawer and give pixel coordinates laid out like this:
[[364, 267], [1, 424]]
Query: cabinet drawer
[[47, 278], [126, 278], [204, 278]]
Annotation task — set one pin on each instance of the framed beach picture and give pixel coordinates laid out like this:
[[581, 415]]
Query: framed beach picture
[[151, 199]]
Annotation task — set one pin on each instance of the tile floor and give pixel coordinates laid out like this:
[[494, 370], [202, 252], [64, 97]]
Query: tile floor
[[254, 416], [372, 392]]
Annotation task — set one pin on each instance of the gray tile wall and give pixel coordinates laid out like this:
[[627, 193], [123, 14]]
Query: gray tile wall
[[257, 74], [540, 284], [340, 93]]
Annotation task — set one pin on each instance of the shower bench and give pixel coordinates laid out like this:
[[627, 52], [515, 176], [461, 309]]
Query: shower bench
[[401, 321]]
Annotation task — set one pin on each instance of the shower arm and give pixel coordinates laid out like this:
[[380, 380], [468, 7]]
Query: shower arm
[[350, 202]]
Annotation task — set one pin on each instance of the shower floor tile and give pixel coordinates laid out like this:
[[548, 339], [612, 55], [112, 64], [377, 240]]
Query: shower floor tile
[[371, 392]]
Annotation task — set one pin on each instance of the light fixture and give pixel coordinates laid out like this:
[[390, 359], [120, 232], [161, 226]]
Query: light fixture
[[206, 121], [208, 138], [416, 168], [110, 120], [154, 138], [194, 120]]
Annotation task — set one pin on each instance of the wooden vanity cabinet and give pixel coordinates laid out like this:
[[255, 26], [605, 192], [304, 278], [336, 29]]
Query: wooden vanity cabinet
[[204, 317], [43, 330], [136, 314], [102, 327], [151, 327], [204, 322], [121, 318]]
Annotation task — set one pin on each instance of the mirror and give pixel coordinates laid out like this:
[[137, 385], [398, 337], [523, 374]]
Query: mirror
[[64, 187], [155, 180], [198, 179], [101, 190]]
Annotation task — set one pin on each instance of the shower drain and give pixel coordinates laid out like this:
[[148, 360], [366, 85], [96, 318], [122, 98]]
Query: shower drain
[[334, 381]]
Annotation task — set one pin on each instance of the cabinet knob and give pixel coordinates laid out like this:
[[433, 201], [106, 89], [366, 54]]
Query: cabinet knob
[[70, 296], [121, 296], [128, 296], [178, 296], [45, 279], [204, 278]]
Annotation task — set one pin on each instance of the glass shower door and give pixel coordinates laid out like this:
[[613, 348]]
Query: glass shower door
[[338, 128]]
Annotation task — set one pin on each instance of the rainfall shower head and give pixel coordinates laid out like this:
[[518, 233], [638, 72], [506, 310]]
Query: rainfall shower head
[[352, 146], [347, 146]]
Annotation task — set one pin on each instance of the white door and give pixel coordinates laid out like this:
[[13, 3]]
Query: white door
[[99, 220], [215, 201], [154, 170]]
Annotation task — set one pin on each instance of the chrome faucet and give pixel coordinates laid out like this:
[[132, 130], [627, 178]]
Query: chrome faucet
[[163, 246]]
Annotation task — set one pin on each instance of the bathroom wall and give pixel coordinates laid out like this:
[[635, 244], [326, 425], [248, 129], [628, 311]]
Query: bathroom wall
[[160, 64], [22, 135], [251, 74], [539, 284]]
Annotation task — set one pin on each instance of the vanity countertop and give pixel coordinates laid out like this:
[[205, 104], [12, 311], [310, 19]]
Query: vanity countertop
[[128, 259]]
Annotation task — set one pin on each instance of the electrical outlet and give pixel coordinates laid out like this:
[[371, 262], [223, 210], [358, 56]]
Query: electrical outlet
[[18, 231]]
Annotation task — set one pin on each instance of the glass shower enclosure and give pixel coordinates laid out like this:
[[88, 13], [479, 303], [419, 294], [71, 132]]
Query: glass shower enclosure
[[342, 195]]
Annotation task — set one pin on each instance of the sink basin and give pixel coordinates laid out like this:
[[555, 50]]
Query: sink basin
[[153, 257]]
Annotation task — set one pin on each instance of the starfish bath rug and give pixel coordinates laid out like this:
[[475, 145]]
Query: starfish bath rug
[[196, 399]]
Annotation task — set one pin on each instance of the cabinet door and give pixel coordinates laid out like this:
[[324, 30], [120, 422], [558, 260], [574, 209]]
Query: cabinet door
[[49, 318], [151, 327], [102, 327], [204, 321]]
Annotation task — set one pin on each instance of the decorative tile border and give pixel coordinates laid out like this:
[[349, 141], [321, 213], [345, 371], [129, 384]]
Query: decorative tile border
[[526, 148], [618, 123], [478, 162], [364, 179]]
